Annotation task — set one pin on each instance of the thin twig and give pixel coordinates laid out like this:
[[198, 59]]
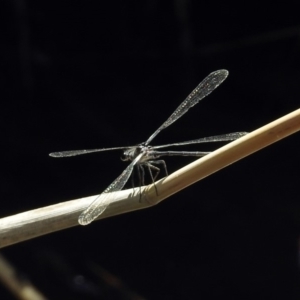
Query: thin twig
[[17, 284], [44, 220]]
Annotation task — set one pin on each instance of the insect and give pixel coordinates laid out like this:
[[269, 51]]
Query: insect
[[146, 156]]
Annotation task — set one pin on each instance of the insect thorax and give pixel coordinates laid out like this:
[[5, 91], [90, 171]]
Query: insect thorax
[[131, 153]]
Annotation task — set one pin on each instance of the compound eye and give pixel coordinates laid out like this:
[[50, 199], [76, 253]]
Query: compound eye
[[124, 157]]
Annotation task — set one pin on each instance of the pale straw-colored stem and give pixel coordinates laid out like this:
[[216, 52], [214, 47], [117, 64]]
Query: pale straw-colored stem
[[17, 284], [44, 220]]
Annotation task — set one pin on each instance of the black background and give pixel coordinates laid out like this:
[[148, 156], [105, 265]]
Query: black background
[[92, 74]]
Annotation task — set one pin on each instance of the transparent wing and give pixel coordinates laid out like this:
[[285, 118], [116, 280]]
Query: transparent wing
[[100, 204], [80, 152], [210, 139], [178, 153], [211, 82]]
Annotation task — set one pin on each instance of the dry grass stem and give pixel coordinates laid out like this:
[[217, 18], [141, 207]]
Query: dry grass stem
[[44, 220]]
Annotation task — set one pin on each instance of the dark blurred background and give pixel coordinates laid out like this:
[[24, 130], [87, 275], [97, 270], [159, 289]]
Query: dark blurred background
[[93, 74]]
